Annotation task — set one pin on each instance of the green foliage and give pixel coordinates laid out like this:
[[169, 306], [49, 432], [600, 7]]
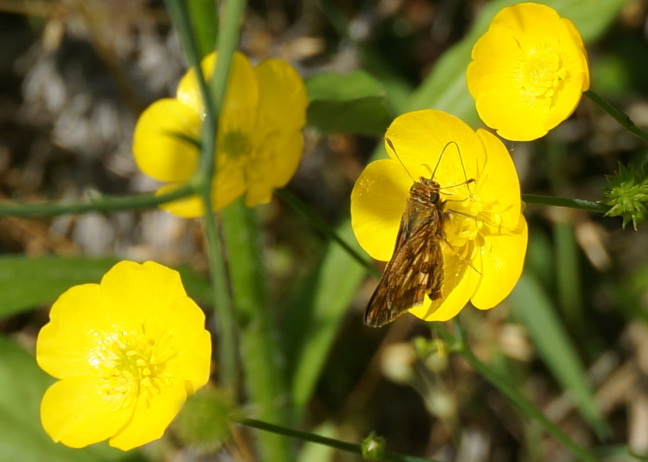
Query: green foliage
[[347, 103], [29, 282], [26, 283], [534, 309], [22, 438]]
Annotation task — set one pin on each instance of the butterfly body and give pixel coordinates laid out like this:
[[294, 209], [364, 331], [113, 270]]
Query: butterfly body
[[416, 267]]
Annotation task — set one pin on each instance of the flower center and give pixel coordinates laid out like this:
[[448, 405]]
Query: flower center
[[235, 145], [540, 77], [132, 366], [471, 219]]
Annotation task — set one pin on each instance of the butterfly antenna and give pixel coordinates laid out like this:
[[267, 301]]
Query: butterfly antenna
[[443, 153], [463, 167], [393, 148]]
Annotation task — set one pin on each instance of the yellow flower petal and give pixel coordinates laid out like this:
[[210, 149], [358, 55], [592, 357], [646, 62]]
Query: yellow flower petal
[[421, 138], [187, 207], [122, 294], [63, 344], [78, 412], [498, 182], [184, 321], [141, 349], [282, 93], [502, 267], [241, 105], [377, 203], [150, 418], [161, 143], [188, 91], [230, 184], [275, 165], [528, 72]]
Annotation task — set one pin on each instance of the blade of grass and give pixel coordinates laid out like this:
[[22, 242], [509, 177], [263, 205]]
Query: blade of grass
[[315, 313], [534, 309]]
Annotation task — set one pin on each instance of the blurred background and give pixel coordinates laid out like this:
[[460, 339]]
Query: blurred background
[[75, 75]]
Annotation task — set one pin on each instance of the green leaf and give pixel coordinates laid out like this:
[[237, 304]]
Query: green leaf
[[533, 307], [22, 438], [204, 20], [315, 314], [29, 282], [347, 103]]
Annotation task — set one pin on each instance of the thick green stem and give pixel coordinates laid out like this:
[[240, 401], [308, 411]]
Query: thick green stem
[[528, 409], [330, 442], [223, 307], [617, 115], [260, 354]]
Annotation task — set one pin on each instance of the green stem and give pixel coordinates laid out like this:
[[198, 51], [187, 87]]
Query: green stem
[[325, 229], [330, 442], [223, 307], [617, 115], [261, 357], [499, 382], [96, 204], [565, 202]]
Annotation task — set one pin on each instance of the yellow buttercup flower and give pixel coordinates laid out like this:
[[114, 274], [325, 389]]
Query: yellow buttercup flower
[[127, 353], [529, 71], [485, 233], [259, 143]]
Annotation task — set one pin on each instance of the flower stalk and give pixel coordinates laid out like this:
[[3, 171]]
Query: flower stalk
[[330, 442], [459, 345], [617, 115]]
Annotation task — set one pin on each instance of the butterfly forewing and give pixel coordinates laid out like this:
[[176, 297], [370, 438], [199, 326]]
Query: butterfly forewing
[[416, 267]]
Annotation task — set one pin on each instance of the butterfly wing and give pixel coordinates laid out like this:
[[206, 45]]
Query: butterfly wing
[[416, 268]]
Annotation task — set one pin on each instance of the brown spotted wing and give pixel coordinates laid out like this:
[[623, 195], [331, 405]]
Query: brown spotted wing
[[416, 267]]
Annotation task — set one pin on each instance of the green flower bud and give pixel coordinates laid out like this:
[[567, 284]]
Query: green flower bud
[[627, 194], [373, 447]]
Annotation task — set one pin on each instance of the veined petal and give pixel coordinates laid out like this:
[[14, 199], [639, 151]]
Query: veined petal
[[151, 418], [378, 201], [275, 164], [161, 142], [63, 344], [242, 99], [434, 142], [283, 97], [502, 266], [129, 305], [184, 321], [78, 412], [498, 184], [230, 184]]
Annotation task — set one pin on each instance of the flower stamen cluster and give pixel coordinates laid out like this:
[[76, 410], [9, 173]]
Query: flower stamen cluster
[[540, 77]]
